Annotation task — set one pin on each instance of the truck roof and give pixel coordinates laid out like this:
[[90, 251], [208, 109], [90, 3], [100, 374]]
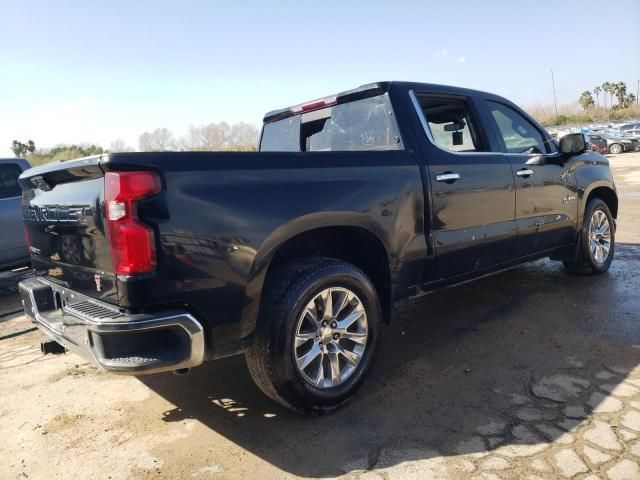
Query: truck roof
[[364, 91], [24, 164]]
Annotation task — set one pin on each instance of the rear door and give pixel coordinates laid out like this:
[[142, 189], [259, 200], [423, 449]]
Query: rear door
[[546, 206], [472, 188], [13, 248]]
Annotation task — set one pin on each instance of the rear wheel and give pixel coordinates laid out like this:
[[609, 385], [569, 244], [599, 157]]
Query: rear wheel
[[615, 148], [316, 336], [597, 241]]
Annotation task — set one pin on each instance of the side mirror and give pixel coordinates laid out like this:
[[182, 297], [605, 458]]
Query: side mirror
[[573, 144]]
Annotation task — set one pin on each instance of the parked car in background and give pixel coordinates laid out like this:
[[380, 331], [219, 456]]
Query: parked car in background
[[598, 144], [625, 127], [633, 133], [617, 144], [13, 244]]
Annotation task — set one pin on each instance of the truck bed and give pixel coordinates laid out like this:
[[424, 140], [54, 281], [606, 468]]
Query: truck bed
[[217, 222]]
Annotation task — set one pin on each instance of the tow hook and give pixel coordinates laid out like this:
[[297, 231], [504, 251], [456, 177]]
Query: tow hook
[[51, 346]]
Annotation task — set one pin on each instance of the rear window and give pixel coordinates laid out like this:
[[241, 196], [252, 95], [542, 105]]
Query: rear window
[[451, 123], [9, 186], [366, 124], [281, 136]]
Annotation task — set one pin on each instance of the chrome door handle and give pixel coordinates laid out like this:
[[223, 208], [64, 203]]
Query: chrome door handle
[[525, 172], [447, 177]]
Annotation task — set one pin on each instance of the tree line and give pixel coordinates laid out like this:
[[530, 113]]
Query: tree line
[[20, 149], [211, 137], [613, 90]]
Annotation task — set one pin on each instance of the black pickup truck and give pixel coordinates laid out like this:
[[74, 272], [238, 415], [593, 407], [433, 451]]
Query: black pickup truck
[[296, 254]]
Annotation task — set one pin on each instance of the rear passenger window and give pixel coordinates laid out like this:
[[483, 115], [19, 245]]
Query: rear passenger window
[[9, 186], [450, 122], [518, 133]]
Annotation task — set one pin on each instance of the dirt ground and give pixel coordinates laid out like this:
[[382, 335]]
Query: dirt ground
[[530, 373]]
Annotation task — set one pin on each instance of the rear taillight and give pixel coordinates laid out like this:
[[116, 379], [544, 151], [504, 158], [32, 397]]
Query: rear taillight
[[132, 242]]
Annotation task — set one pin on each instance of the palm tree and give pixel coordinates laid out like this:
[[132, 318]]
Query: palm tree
[[586, 100], [630, 99], [596, 92], [613, 92], [606, 87], [621, 93]]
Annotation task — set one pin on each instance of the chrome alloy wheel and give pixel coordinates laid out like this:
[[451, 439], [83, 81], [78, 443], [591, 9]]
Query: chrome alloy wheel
[[599, 237], [330, 337]]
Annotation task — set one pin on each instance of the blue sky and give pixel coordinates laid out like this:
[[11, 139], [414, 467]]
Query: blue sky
[[83, 71]]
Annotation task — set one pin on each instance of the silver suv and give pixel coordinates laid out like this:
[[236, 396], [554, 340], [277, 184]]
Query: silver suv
[[13, 245]]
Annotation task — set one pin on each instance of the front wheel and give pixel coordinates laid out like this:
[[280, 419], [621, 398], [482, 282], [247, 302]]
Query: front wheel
[[317, 334], [597, 241], [615, 148]]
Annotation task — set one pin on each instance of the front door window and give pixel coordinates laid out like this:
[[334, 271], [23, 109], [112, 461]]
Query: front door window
[[518, 134]]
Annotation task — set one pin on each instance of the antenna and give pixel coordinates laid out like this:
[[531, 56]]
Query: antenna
[[555, 101]]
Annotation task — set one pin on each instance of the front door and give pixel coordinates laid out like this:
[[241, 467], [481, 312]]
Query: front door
[[472, 189], [546, 199]]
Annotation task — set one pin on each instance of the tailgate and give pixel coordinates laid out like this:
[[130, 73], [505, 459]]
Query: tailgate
[[64, 218]]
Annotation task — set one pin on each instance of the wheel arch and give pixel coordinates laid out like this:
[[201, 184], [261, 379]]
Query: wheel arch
[[607, 195], [575, 263], [351, 239], [355, 245]]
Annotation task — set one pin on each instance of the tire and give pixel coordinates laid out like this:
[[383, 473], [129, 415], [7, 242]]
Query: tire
[[587, 262], [616, 148], [289, 306]]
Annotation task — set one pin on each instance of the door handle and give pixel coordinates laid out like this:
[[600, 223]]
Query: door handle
[[448, 177], [525, 172]]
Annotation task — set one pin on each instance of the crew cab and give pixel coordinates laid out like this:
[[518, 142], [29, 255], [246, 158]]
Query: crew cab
[[297, 254]]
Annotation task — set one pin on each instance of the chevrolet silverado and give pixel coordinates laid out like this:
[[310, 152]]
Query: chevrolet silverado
[[295, 255]]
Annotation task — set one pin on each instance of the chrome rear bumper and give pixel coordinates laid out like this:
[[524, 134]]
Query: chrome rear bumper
[[113, 340]]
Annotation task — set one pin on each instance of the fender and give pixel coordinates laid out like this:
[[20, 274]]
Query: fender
[[289, 230], [592, 174]]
